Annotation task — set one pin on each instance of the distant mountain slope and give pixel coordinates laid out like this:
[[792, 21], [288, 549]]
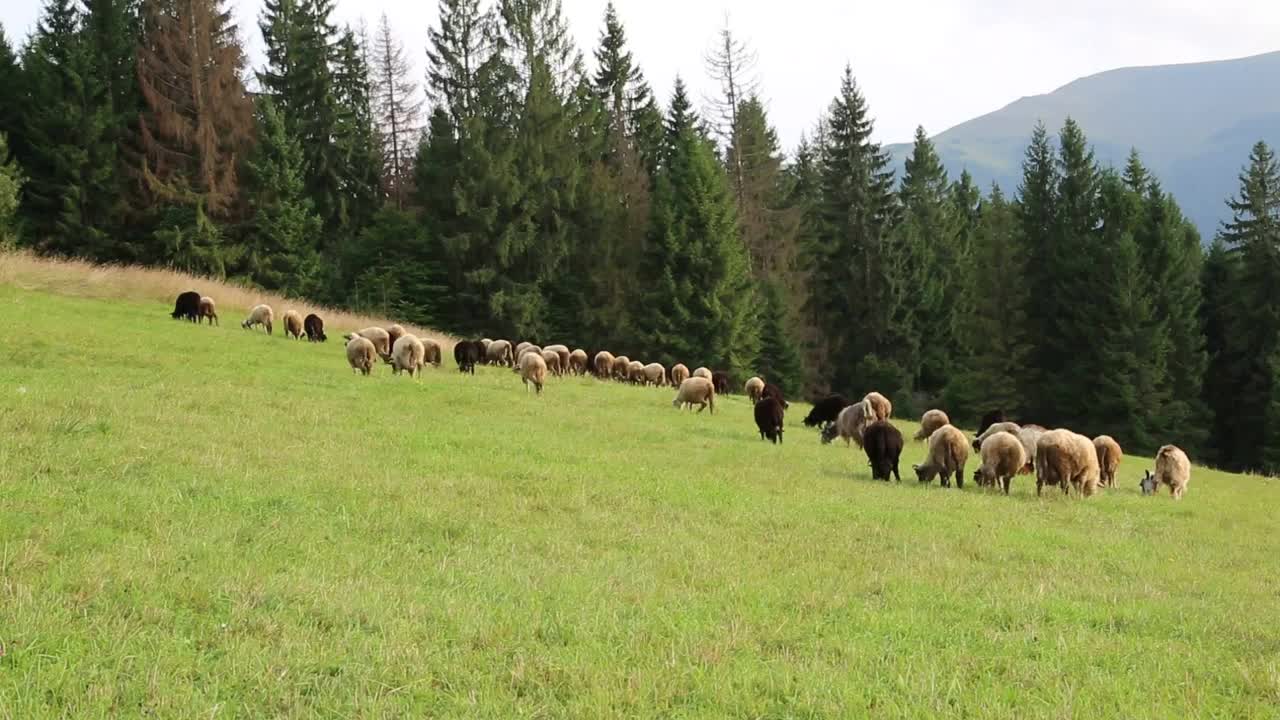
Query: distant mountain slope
[[1194, 125]]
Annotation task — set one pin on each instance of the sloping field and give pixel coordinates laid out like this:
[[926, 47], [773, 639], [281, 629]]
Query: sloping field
[[204, 522]]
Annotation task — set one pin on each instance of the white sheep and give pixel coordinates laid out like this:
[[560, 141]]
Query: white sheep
[[407, 355], [948, 453], [360, 354], [1002, 457], [696, 391], [259, 315]]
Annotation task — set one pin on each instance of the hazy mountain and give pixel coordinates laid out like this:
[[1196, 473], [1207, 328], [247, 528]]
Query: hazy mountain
[[1193, 124]]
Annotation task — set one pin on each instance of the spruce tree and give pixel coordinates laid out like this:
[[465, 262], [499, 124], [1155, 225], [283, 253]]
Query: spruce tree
[[398, 110], [779, 361], [731, 64], [359, 160], [769, 225], [10, 186], [11, 93], [1037, 216]]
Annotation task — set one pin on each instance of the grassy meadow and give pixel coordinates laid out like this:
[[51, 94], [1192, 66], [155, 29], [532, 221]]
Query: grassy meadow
[[204, 522]]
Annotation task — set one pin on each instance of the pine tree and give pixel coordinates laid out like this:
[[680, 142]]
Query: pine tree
[[10, 186], [280, 244], [398, 109], [848, 294]]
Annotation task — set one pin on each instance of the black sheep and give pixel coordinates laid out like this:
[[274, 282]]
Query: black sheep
[[720, 381], [187, 306], [991, 418], [883, 444], [769, 415], [826, 410], [467, 353], [775, 392], [314, 327]]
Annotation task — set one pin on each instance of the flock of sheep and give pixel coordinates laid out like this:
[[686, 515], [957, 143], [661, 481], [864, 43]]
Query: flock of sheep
[[1057, 457]]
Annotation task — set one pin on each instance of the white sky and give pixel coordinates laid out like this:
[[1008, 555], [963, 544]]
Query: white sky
[[930, 62]]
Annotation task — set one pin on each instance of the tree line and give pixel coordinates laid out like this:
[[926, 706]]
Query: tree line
[[538, 195]]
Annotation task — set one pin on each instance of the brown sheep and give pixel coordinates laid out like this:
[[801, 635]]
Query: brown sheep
[[394, 333], [1002, 457], [208, 310], [521, 347], [1109, 456], [931, 421], [433, 353], [655, 374], [1173, 468], [635, 372], [621, 368], [380, 338], [679, 373], [1064, 458], [292, 324], [696, 391], [948, 453], [880, 405], [361, 354], [564, 354], [552, 359], [578, 362], [754, 387], [533, 369], [603, 364]]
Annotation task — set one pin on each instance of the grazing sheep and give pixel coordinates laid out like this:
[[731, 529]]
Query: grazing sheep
[[380, 338], [563, 352], [361, 354], [1002, 457], [880, 405], [1173, 468], [533, 369], [260, 315], [602, 364], [466, 353], [484, 343], [1011, 428], [209, 310], [930, 421], [720, 380], [948, 453], [1109, 456], [883, 444], [552, 359], [498, 352], [526, 345], [292, 324], [769, 414], [187, 306], [655, 374], [635, 372], [826, 410], [775, 392], [754, 387], [621, 368], [313, 326], [408, 355], [578, 362], [1029, 436], [991, 418], [850, 424], [1066, 459], [696, 391], [434, 354], [679, 373], [394, 333], [702, 373]]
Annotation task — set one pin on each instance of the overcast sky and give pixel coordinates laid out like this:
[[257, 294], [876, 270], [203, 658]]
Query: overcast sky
[[920, 62]]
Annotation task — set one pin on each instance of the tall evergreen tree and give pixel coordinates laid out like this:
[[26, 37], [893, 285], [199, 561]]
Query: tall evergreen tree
[[779, 361], [769, 226], [848, 292], [359, 151], [112, 29], [10, 186], [731, 64], [1218, 311], [398, 110], [1037, 218], [11, 88]]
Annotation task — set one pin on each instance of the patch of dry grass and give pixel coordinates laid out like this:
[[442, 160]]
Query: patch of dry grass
[[78, 278]]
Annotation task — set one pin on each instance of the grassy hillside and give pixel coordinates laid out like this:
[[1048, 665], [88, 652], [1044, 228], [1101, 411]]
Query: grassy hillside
[[1193, 123], [207, 522]]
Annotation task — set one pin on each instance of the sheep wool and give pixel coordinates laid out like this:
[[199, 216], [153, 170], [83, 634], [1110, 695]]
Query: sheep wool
[[260, 315], [931, 421], [1002, 457], [1173, 468], [360, 354], [407, 355], [948, 453], [696, 391]]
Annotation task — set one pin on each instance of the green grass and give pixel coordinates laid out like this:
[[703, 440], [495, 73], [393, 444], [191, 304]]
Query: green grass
[[204, 522]]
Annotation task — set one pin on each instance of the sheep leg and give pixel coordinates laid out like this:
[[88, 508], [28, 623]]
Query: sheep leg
[[960, 478]]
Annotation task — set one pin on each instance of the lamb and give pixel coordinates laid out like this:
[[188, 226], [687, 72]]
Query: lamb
[[361, 354], [883, 444], [702, 372], [433, 354], [696, 391], [1109, 456], [603, 364], [655, 374], [380, 338], [466, 353], [754, 387], [1002, 457], [563, 352], [292, 324], [720, 380], [991, 418], [1011, 428], [260, 315], [775, 392], [394, 333], [1066, 459], [313, 326], [826, 410], [187, 305], [769, 415], [850, 423], [533, 370], [948, 453], [209, 310], [552, 359], [930, 421], [621, 368], [679, 373], [1173, 468], [408, 355], [578, 362], [880, 405], [498, 352]]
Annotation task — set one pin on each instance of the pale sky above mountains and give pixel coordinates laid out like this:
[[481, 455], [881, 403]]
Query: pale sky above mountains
[[930, 62]]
